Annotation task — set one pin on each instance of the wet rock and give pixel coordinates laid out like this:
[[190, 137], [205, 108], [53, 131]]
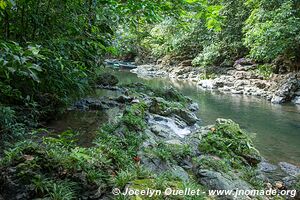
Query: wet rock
[[290, 169], [161, 107], [96, 106], [167, 128], [179, 122], [174, 142], [171, 94], [194, 107], [189, 117], [277, 99], [108, 103], [107, 79], [267, 167], [82, 105], [162, 131], [296, 100], [135, 101]]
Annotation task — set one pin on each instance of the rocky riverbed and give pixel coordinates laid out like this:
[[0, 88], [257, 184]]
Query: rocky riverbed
[[218, 156], [156, 141], [243, 78]]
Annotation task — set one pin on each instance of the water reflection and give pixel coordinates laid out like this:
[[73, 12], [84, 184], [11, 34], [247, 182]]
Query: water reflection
[[276, 127]]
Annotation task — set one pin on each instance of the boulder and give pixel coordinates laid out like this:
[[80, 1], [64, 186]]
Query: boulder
[[207, 84], [290, 169], [267, 167], [286, 90], [179, 172], [229, 133], [194, 107], [296, 100], [189, 117], [107, 79], [219, 181]]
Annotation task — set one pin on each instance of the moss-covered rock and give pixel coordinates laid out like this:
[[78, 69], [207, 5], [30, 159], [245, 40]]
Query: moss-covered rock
[[227, 140], [161, 107]]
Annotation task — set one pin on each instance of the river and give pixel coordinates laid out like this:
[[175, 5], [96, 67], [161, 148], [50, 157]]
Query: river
[[275, 129]]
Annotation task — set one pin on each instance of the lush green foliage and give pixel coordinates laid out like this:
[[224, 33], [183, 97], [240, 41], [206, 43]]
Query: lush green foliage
[[273, 29], [51, 49], [216, 33], [229, 141]]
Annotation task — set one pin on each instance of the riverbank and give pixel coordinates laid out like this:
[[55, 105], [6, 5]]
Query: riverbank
[[156, 142], [245, 78]]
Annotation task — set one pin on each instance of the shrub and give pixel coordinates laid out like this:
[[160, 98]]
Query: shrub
[[273, 30]]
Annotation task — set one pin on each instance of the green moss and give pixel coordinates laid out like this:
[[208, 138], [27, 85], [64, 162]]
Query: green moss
[[165, 181], [230, 142]]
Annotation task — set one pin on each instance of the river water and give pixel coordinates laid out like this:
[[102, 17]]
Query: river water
[[275, 129]]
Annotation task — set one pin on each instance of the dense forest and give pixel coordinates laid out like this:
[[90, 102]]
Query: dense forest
[[52, 54]]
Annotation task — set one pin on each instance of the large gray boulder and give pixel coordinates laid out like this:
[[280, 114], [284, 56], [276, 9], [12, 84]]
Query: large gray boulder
[[219, 181], [286, 91]]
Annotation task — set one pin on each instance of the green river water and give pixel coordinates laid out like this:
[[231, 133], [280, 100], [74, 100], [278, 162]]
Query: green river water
[[275, 128]]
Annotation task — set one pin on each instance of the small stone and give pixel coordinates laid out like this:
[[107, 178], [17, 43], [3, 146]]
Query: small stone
[[135, 101], [279, 185]]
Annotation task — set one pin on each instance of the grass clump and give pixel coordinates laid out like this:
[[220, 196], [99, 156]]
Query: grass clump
[[212, 163], [54, 169], [173, 153], [134, 117], [57, 168]]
